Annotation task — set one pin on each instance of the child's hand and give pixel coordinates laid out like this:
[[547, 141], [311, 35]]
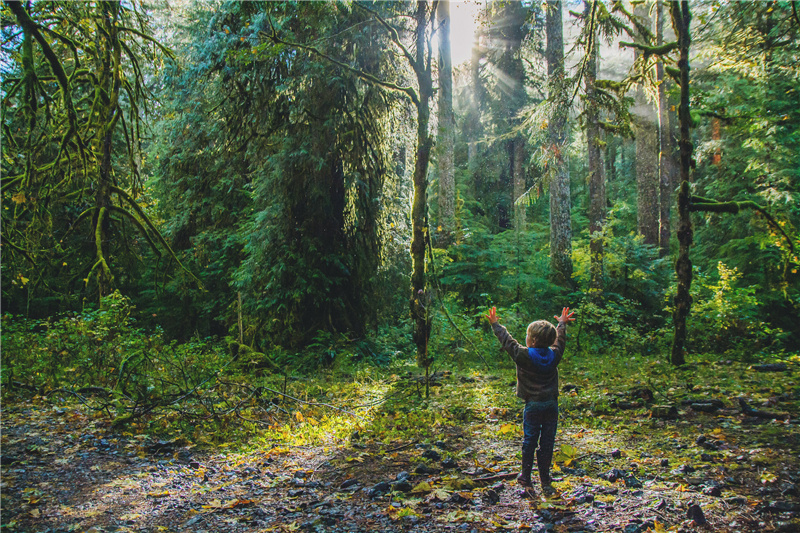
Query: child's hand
[[566, 316], [492, 316]]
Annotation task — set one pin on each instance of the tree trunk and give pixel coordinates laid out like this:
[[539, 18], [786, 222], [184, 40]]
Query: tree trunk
[[560, 222], [665, 145], [445, 146], [518, 174], [597, 178], [681, 19], [647, 207], [419, 302], [110, 83]]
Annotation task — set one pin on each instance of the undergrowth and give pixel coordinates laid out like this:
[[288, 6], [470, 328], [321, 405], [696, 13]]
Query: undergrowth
[[342, 390]]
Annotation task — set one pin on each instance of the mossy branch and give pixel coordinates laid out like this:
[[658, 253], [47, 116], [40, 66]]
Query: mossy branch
[[160, 238], [408, 91], [29, 26], [98, 244], [674, 73], [648, 51], [700, 203]]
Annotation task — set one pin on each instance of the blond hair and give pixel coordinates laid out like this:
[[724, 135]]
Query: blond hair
[[542, 333]]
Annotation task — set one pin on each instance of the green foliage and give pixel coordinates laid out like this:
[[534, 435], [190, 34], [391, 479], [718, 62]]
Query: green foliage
[[727, 317], [102, 350]]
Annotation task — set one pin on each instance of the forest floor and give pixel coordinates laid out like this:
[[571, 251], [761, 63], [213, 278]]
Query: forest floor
[[623, 464]]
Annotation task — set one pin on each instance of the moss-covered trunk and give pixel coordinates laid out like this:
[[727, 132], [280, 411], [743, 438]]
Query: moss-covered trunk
[[681, 18]]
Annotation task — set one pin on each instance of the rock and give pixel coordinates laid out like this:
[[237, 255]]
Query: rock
[[349, 483], [458, 499], [616, 453], [613, 475], [708, 458], [433, 455], [581, 495], [294, 493], [683, 469], [782, 507], [425, 470], [633, 483], [194, 464], [712, 491], [632, 527], [664, 411], [498, 487], [665, 462], [700, 439], [402, 486], [442, 445], [491, 496], [696, 513], [736, 500], [704, 407], [449, 463], [379, 489], [402, 476], [771, 367]]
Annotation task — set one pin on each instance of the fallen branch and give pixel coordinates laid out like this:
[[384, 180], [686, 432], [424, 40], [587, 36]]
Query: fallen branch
[[749, 411], [496, 477]]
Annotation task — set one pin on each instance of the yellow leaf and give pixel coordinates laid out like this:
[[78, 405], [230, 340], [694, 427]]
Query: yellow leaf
[[18, 198], [158, 494], [23, 279], [299, 416], [422, 487]]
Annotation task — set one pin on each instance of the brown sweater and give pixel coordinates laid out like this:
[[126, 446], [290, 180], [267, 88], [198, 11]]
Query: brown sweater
[[532, 384]]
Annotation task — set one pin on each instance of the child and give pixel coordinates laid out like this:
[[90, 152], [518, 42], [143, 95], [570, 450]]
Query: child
[[537, 384]]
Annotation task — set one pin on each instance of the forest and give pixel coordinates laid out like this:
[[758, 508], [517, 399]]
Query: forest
[[249, 250]]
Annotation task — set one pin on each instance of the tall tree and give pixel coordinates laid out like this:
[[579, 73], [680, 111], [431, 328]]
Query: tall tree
[[419, 60], [78, 132], [446, 122], [646, 127], [594, 152], [666, 167], [281, 196], [560, 221]]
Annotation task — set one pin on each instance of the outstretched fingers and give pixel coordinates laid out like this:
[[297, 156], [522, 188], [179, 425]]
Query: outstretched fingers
[[566, 315]]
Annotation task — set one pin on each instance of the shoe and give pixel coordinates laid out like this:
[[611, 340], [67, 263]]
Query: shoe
[[547, 489], [523, 481]]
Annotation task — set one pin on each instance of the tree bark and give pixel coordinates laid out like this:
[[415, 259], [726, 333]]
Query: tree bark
[[597, 178], [560, 222], [446, 142], [419, 302], [681, 19], [647, 187], [665, 145]]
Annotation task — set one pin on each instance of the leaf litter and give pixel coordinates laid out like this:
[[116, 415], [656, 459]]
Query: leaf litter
[[616, 468]]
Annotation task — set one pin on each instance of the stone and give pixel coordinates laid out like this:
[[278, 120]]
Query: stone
[[616, 453], [613, 475], [491, 496], [449, 463], [379, 489], [349, 483], [425, 470], [664, 411], [401, 486], [695, 512]]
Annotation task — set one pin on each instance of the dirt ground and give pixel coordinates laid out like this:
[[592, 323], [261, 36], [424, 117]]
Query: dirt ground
[[64, 469]]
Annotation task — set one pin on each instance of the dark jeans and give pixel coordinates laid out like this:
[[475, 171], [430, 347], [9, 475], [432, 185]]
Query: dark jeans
[[539, 424]]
